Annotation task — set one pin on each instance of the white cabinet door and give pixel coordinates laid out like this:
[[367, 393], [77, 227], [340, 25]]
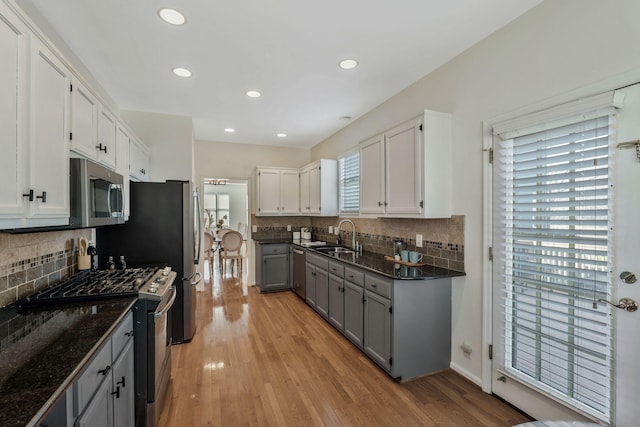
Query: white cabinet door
[[138, 161], [372, 176], [84, 120], [314, 189], [106, 145], [13, 118], [403, 172], [268, 192], [122, 162], [305, 199], [123, 383], [290, 195], [49, 134]]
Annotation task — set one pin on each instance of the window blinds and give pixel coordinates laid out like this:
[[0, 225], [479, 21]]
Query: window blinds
[[552, 259], [349, 170]]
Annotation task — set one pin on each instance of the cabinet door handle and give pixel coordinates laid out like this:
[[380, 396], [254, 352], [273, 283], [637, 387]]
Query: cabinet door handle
[[101, 148], [29, 195], [105, 371], [129, 334], [374, 285], [43, 197], [117, 392], [121, 382]]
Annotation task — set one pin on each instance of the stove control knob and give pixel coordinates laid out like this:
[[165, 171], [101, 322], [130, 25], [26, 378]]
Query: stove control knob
[[153, 290], [166, 271]]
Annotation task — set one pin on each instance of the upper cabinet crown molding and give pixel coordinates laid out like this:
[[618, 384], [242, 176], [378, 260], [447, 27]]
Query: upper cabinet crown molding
[[405, 172]]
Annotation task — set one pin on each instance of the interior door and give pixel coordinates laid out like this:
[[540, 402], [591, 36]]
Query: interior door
[[625, 201]]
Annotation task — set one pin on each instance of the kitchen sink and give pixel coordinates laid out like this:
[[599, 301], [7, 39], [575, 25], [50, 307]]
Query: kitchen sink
[[334, 250]]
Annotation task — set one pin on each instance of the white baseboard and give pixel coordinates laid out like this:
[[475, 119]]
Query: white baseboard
[[468, 375]]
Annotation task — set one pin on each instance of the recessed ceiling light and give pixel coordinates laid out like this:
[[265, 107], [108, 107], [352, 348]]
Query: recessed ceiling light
[[253, 94], [172, 16], [229, 130], [282, 135], [182, 72], [348, 64]]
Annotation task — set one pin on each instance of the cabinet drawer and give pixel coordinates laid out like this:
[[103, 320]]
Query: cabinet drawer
[[122, 335], [354, 276], [275, 249], [318, 260], [378, 285], [99, 370], [336, 268]]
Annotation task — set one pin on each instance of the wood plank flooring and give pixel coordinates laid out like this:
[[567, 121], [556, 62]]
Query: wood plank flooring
[[270, 360]]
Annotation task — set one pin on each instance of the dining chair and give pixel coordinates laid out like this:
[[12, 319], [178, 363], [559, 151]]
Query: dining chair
[[209, 241], [231, 250]]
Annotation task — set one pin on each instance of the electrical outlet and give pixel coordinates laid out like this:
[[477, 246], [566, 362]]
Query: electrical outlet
[[419, 240], [254, 228], [288, 228], [331, 229]]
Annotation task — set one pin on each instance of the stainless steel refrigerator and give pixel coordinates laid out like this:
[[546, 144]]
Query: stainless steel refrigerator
[[164, 228]]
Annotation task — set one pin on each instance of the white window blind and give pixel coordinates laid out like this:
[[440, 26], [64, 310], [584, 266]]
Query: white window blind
[[551, 246], [349, 175]]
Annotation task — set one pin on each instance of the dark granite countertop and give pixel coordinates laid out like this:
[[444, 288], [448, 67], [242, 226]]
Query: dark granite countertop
[[42, 353], [375, 262]]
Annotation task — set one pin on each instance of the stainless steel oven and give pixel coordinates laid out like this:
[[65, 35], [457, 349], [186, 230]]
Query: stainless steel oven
[[153, 350]]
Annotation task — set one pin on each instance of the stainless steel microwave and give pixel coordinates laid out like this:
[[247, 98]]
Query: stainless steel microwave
[[96, 195]]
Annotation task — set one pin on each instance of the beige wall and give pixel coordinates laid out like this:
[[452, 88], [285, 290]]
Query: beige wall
[[170, 142], [238, 161], [558, 51]]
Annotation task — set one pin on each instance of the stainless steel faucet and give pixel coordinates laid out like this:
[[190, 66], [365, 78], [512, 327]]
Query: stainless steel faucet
[[353, 228]]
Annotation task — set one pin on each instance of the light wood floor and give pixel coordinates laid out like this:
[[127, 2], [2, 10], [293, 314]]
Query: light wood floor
[[269, 359]]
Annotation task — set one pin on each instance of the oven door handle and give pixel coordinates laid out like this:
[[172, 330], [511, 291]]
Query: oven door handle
[[169, 304]]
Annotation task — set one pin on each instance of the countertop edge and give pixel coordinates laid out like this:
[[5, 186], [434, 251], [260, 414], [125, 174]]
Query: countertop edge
[[449, 274], [68, 382]]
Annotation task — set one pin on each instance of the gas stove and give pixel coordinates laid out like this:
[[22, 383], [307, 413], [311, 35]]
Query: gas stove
[[86, 286]]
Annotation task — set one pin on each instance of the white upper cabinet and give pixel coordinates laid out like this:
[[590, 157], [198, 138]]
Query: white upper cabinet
[[107, 149], [48, 136], [406, 171], [122, 162], [84, 120], [13, 115], [278, 191], [372, 176], [319, 188], [138, 160], [93, 126], [403, 174]]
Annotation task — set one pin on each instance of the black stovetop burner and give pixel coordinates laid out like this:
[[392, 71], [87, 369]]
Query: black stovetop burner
[[87, 285]]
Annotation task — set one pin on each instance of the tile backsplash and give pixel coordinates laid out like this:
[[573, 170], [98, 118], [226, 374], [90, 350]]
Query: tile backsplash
[[442, 246], [31, 261]]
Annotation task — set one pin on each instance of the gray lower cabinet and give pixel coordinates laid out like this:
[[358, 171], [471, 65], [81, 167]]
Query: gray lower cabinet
[[272, 267], [104, 394], [317, 283], [402, 325], [336, 302], [377, 329], [353, 312]]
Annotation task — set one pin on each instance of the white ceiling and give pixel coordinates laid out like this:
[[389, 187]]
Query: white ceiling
[[287, 49]]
